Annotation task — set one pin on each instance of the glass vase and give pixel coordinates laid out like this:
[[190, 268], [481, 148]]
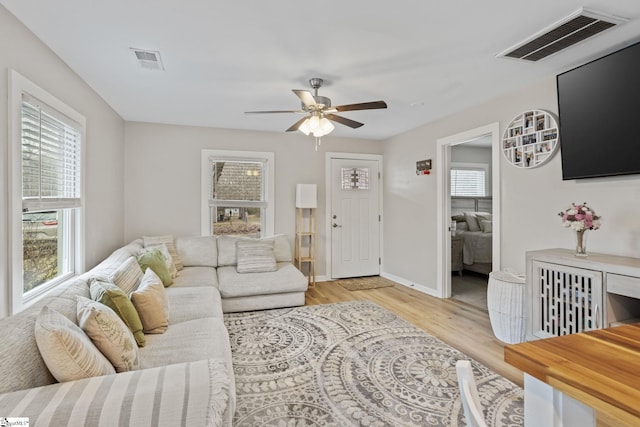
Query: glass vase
[[581, 242]]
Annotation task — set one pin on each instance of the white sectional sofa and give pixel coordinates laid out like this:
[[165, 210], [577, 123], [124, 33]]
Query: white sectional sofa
[[185, 374]]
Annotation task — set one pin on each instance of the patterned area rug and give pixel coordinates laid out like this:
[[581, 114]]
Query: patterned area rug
[[363, 283], [353, 364]]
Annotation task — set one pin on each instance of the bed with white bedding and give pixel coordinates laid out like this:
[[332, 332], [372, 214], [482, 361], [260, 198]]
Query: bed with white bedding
[[476, 231]]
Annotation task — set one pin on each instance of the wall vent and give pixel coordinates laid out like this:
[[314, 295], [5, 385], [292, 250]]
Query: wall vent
[[148, 59], [578, 26]]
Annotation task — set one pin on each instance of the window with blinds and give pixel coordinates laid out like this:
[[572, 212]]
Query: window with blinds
[[468, 182], [51, 163], [51, 158]]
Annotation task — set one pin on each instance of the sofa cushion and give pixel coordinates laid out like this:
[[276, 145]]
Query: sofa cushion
[[286, 278], [115, 298], [255, 256], [151, 304], [187, 342], [168, 241], [227, 250], [190, 303], [68, 352], [109, 334], [156, 261], [198, 251], [262, 302], [196, 276], [127, 277]]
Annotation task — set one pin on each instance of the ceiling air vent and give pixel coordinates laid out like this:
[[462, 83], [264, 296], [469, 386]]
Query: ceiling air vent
[[148, 59], [573, 29]]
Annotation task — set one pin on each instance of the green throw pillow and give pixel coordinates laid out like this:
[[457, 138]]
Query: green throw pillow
[[156, 261], [115, 298]]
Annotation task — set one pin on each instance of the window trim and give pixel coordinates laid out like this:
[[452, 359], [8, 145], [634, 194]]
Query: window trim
[[472, 166], [18, 85], [230, 155]]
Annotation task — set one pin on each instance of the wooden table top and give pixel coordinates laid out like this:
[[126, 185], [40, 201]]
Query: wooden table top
[[599, 368]]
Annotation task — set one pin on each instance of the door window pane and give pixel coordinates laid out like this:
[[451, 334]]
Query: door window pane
[[355, 178]]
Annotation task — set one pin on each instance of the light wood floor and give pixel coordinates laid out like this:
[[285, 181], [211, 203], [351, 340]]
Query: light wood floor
[[458, 324]]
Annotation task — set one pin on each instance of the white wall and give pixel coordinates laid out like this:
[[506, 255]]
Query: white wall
[[23, 51], [531, 198], [162, 175]]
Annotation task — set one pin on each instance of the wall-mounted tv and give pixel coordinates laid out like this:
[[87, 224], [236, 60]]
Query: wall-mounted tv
[[599, 112]]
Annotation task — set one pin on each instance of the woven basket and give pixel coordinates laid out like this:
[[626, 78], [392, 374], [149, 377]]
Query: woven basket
[[505, 301]]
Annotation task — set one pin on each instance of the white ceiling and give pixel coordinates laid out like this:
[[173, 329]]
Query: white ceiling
[[426, 59]]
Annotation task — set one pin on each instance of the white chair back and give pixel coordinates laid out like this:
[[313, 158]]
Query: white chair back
[[469, 395]]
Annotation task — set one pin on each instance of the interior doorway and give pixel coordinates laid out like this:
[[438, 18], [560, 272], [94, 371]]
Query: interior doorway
[[471, 210], [444, 219]]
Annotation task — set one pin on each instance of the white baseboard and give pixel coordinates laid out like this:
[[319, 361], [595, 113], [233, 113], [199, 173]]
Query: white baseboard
[[321, 279], [410, 284]]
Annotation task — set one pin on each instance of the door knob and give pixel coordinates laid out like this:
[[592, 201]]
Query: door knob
[[336, 225]]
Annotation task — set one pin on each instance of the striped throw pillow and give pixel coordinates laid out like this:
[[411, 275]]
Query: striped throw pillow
[[128, 276], [255, 256], [67, 350]]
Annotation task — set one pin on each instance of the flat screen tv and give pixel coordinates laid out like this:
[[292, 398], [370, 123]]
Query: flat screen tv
[[599, 112]]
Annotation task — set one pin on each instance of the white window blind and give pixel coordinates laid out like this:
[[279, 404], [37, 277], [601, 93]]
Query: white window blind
[[468, 182], [51, 158]]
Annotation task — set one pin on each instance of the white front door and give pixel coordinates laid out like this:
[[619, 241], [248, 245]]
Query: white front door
[[355, 218]]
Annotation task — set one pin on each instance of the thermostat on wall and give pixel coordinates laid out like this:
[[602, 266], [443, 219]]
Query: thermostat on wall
[[423, 167]]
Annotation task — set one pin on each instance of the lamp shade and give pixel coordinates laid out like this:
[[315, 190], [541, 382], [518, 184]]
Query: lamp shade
[[306, 196]]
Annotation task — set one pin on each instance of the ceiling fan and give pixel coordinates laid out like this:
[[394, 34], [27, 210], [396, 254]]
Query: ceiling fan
[[321, 113]]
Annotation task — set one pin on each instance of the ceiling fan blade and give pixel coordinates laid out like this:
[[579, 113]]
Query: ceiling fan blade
[[374, 105], [344, 121], [296, 125], [306, 97], [275, 111]]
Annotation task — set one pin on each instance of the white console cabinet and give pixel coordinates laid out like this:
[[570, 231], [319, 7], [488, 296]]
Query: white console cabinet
[[568, 294]]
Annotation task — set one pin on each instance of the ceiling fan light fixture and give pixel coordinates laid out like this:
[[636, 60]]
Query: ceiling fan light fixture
[[304, 127], [326, 126], [314, 123]]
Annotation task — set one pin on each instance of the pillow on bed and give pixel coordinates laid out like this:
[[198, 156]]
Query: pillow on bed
[[458, 218], [486, 226], [472, 221], [484, 215], [462, 226]]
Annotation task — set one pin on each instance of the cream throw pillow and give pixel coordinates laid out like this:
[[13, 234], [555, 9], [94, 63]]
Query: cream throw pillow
[[127, 277], [109, 333], [255, 256], [67, 351], [150, 301]]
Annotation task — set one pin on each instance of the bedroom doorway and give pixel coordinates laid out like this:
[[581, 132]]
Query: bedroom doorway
[[450, 242]]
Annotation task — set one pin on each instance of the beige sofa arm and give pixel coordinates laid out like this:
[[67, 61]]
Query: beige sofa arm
[[193, 394]]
